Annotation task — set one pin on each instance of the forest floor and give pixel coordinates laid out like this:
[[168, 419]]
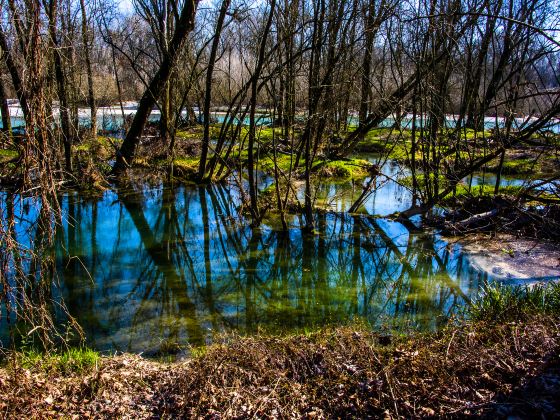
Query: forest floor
[[482, 369]]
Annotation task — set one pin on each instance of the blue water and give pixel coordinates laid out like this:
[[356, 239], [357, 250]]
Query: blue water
[[147, 269], [112, 121]]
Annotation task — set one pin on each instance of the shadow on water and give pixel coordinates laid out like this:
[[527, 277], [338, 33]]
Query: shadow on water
[[147, 270]]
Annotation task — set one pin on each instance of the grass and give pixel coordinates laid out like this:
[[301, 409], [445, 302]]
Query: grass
[[471, 134], [196, 132], [337, 170], [72, 360], [503, 304], [463, 192], [421, 180], [486, 190], [284, 162], [396, 145], [104, 142], [518, 166], [187, 163], [386, 141]]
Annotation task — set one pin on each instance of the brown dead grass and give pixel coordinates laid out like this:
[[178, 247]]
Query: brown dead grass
[[460, 371]]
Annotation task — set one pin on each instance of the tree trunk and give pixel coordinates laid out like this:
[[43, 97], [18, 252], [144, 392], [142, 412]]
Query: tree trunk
[[208, 94], [61, 87], [128, 148], [15, 75], [366, 64], [252, 127], [91, 93], [6, 122]]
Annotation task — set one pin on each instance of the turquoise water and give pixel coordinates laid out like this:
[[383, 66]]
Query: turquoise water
[[111, 120], [147, 269]]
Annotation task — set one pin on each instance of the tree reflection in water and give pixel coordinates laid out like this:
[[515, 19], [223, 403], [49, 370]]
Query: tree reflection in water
[[153, 268]]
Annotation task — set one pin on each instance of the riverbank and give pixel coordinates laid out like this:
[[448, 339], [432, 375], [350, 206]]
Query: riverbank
[[514, 260], [502, 362]]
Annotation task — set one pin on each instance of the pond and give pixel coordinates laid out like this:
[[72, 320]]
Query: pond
[[150, 268]]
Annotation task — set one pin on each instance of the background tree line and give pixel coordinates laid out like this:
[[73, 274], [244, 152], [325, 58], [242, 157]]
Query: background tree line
[[323, 65]]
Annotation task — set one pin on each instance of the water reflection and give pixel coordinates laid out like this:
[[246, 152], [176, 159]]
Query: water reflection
[[145, 269]]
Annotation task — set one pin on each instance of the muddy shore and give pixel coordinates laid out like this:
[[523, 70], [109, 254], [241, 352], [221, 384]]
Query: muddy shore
[[514, 260]]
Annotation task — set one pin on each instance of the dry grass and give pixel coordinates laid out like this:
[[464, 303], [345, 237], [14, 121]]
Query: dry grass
[[460, 371]]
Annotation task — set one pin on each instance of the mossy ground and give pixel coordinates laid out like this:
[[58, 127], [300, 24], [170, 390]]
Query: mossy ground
[[529, 161], [6, 158], [344, 169], [186, 167], [463, 190], [186, 162], [7, 154]]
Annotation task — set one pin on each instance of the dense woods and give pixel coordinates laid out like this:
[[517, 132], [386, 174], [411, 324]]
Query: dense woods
[[326, 73]]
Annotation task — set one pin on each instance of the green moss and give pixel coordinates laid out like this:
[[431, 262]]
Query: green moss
[[396, 144], [270, 190], [521, 166], [462, 190], [421, 180], [343, 169], [393, 143], [284, 162], [141, 162], [263, 134], [462, 193], [186, 167], [7, 154], [380, 132], [196, 132], [198, 352], [102, 146], [383, 140], [471, 134], [190, 134], [187, 162]]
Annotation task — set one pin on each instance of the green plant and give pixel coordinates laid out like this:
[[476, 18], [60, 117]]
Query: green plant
[[71, 360], [501, 303]]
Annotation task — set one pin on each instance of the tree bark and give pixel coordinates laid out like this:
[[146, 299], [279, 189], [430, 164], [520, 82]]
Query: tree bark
[[252, 126], [67, 136], [128, 148], [91, 93], [208, 94], [15, 75], [6, 122]]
